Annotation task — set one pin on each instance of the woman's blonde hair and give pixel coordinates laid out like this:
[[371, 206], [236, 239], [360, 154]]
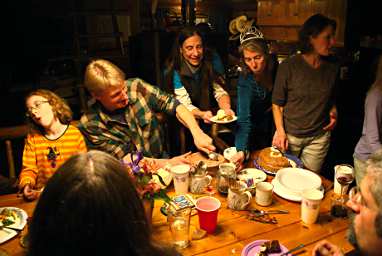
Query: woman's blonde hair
[[60, 108], [101, 74]]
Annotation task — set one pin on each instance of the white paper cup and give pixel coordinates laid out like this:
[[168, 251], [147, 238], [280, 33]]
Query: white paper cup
[[264, 191], [337, 186], [181, 178], [310, 205], [228, 153]]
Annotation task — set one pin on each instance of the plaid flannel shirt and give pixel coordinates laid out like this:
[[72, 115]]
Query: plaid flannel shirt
[[141, 131]]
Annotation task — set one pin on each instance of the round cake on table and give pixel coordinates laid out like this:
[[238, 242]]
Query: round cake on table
[[272, 160]]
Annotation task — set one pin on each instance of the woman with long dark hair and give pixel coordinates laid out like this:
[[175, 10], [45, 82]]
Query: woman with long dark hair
[[189, 74], [90, 207]]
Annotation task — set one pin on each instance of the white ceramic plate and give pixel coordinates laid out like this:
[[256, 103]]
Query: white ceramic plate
[[298, 179], [21, 221], [214, 119], [279, 190], [251, 176]]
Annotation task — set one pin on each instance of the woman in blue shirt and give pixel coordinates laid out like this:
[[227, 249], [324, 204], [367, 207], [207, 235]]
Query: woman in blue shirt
[[255, 83]]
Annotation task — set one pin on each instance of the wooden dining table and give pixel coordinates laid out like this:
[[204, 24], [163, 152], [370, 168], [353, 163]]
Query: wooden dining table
[[235, 230]]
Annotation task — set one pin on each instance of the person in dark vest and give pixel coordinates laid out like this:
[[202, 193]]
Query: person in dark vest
[[189, 74]]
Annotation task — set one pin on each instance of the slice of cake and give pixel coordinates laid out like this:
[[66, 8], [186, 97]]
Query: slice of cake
[[222, 116], [269, 247]]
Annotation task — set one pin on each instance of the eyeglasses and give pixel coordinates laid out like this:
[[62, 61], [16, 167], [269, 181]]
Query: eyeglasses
[[37, 106]]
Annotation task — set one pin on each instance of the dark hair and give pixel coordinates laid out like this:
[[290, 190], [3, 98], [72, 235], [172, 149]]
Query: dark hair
[[312, 27], [90, 207], [205, 31], [175, 59]]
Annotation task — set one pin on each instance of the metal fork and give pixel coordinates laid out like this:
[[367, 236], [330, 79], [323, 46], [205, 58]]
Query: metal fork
[[261, 212], [298, 247]]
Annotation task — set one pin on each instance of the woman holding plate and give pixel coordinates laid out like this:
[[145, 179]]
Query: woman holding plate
[[191, 76], [255, 83]]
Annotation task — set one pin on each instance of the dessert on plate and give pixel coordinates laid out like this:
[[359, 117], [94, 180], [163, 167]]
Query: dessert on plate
[[222, 116], [269, 247], [272, 159]]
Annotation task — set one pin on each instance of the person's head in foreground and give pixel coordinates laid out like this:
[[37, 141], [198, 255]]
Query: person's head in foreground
[[106, 83], [365, 231], [90, 207]]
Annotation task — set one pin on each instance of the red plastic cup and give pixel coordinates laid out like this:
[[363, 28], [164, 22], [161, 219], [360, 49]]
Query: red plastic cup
[[208, 208]]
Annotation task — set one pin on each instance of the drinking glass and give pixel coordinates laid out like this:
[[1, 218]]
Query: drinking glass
[[344, 177], [179, 222]]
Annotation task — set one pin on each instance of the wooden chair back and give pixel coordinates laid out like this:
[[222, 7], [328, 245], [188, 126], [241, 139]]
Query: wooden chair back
[[7, 134]]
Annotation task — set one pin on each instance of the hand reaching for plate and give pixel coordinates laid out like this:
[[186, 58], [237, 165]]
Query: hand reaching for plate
[[206, 116], [238, 160]]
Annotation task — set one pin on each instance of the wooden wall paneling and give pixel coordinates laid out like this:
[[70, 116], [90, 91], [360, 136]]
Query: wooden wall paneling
[[287, 16], [292, 11]]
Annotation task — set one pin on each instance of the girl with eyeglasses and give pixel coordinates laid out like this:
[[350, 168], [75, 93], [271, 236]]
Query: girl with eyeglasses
[[51, 140]]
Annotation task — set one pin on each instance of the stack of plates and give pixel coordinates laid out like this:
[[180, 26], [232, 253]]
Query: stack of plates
[[290, 182]]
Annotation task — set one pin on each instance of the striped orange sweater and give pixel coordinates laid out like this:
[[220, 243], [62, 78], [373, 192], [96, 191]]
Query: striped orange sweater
[[42, 156]]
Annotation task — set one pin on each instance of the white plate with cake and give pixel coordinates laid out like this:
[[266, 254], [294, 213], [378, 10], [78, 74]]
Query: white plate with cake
[[271, 160], [222, 118]]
